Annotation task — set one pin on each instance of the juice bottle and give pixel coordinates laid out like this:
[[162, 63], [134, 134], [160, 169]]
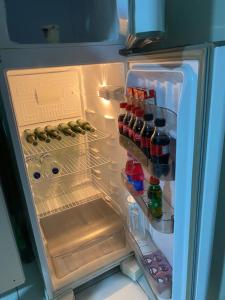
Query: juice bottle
[[160, 140], [132, 121], [138, 178], [129, 167], [121, 116], [155, 198], [138, 125], [126, 120], [146, 134]]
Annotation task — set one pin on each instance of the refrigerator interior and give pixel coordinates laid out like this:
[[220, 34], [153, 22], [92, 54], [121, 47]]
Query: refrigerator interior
[[89, 184]]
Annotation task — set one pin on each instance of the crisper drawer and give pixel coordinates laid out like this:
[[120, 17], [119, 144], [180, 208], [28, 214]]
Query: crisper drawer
[[82, 234]]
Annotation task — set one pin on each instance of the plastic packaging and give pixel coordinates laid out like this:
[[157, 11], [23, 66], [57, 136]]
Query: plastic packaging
[[50, 166]]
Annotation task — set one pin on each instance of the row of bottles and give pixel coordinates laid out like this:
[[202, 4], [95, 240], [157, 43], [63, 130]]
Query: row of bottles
[[148, 134], [46, 165], [135, 178], [49, 132]]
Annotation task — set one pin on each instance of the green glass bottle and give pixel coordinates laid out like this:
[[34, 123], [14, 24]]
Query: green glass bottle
[[155, 198]]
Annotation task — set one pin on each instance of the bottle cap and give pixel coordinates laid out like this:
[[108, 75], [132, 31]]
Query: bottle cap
[[148, 117], [139, 112], [154, 180], [160, 122], [128, 107], [123, 104]]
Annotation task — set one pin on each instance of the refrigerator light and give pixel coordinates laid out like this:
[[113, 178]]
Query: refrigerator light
[[111, 92]]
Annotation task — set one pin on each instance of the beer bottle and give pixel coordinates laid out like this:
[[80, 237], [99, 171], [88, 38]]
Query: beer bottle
[[42, 135]]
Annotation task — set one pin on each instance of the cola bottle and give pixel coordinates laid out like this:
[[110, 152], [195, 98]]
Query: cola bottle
[[160, 142], [146, 134], [121, 116], [126, 120], [132, 121], [138, 125]]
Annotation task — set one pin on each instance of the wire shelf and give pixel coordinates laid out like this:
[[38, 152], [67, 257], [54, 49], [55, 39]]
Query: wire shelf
[[74, 163], [60, 199], [66, 142]]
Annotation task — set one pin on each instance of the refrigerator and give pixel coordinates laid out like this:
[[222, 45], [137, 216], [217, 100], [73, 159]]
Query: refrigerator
[[87, 219]]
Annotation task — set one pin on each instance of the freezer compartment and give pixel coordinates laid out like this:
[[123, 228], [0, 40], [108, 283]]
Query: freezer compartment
[[80, 235]]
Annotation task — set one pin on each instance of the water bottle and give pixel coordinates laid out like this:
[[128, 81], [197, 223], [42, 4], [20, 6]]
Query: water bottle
[[50, 166], [34, 169]]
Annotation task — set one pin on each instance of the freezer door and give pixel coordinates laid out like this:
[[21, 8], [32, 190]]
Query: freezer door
[[210, 272], [11, 271]]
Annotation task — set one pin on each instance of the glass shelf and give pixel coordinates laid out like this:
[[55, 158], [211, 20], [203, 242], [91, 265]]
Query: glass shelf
[[166, 223], [163, 172], [142, 248], [66, 142]]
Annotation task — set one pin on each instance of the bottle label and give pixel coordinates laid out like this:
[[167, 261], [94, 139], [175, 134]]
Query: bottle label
[[125, 129], [120, 126], [145, 142], [130, 132], [159, 150], [137, 137]]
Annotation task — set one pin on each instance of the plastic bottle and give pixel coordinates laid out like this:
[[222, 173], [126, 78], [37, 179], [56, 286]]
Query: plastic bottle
[[30, 137], [149, 101], [34, 169], [146, 134], [53, 132], [138, 125], [133, 212], [42, 135], [132, 121], [129, 168], [160, 140], [49, 165], [138, 178], [155, 198], [121, 116], [126, 120], [65, 129]]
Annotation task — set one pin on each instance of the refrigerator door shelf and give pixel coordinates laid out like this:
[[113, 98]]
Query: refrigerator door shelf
[[166, 223], [92, 230], [163, 172], [66, 142]]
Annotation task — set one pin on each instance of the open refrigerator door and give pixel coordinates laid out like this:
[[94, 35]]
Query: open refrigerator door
[[86, 219]]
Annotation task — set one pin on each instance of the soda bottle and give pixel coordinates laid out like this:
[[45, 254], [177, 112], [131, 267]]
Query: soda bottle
[[129, 168], [121, 116], [146, 134], [149, 101], [30, 137], [76, 128], [138, 125], [137, 177], [42, 135], [160, 140], [64, 128], [155, 198], [50, 166], [34, 169], [126, 120], [132, 121]]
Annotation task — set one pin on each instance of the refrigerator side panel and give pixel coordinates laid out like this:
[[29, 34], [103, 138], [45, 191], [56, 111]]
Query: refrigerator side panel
[[12, 131], [212, 173]]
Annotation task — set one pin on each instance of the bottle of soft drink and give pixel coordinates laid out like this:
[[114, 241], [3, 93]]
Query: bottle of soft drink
[[146, 134], [155, 198], [138, 125], [34, 169], [126, 120], [50, 166], [132, 121], [121, 116], [160, 141], [138, 178], [149, 100], [129, 168]]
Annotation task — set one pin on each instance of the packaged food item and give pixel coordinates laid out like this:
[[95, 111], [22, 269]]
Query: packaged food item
[[155, 198], [146, 134], [121, 116], [160, 142]]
